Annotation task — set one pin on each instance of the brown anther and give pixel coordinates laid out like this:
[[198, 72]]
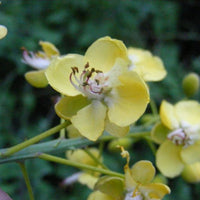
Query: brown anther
[[75, 70], [98, 71], [23, 49], [97, 81], [86, 65]]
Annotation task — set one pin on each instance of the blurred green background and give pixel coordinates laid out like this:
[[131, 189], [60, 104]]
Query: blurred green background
[[170, 29]]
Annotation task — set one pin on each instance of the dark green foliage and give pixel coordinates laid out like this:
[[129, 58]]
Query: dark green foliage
[[164, 27]]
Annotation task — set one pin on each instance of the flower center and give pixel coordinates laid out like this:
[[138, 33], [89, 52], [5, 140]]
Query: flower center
[[185, 135], [91, 82], [133, 196]]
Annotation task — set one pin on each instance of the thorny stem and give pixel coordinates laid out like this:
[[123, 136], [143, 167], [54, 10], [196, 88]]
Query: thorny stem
[[27, 180], [78, 165], [33, 140]]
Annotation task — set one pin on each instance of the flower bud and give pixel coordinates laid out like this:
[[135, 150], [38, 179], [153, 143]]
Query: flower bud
[[125, 142], [191, 173], [190, 84]]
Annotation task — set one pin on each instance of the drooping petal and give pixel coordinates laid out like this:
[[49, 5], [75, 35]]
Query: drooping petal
[[159, 133], [72, 132], [191, 154], [115, 130], [3, 31], [69, 106], [129, 100], [154, 190], [188, 111], [90, 120], [36, 78], [112, 186], [88, 179], [143, 171], [103, 53], [149, 67], [58, 73], [168, 159], [97, 195], [168, 116]]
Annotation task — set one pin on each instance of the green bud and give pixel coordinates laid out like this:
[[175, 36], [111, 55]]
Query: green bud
[[190, 84], [125, 142]]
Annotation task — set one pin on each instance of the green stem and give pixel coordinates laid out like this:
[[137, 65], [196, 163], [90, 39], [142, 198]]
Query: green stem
[[78, 165], [33, 140], [95, 158], [62, 131], [153, 107], [27, 180]]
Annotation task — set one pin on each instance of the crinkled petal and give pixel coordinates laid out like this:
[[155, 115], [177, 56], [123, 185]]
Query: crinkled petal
[[191, 154], [90, 120], [168, 116], [36, 78], [97, 195], [69, 106], [103, 53], [3, 31], [149, 67], [115, 130], [155, 190], [188, 111], [128, 101], [58, 73], [112, 186], [168, 159], [88, 179], [143, 171], [49, 49], [159, 133]]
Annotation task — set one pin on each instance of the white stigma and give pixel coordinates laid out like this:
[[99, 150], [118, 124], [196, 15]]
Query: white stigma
[[136, 196], [185, 135]]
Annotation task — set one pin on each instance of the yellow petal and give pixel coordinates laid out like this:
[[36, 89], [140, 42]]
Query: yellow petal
[[154, 190], [150, 67], [49, 49], [36, 78], [188, 111], [143, 171], [99, 196], [72, 132], [69, 106], [168, 116], [103, 53], [3, 31], [129, 100], [88, 179], [191, 173], [112, 186], [58, 73], [168, 159], [129, 181], [90, 120], [159, 133], [115, 130], [191, 154]]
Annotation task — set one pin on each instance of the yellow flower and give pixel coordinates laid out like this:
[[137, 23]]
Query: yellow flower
[[88, 178], [100, 93], [179, 136], [39, 61], [137, 184], [149, 67], [3, 31]]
